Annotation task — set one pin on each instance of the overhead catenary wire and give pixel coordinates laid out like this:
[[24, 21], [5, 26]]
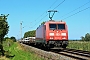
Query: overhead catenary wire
[[53, 9], [56, 6], [59, 4], [43, 13], [40, 20], [76, 13], [76, 9]]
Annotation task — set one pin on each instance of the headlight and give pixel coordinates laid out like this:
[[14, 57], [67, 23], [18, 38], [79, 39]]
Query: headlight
[[63, 34], [51, 37], [64, 38], [51, 34]]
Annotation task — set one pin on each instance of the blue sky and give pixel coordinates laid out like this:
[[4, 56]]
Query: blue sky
[[31, 13]]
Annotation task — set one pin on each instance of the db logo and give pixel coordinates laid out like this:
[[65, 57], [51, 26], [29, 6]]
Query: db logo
[[57, 34]]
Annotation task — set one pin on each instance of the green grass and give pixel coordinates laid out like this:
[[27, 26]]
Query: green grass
[[16, 52], [81, 45]]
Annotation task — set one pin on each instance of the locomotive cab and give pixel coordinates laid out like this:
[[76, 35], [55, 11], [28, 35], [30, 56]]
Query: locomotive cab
[[57, 34]]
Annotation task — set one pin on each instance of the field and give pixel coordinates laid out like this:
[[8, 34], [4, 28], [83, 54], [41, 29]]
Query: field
[[81, 45], [13, 51]]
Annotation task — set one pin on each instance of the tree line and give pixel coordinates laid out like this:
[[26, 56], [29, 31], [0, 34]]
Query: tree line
[[11, 38], [30, 34], [86, 37]]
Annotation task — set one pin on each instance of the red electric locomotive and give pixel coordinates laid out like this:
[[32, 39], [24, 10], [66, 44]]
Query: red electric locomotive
[[52, 34]]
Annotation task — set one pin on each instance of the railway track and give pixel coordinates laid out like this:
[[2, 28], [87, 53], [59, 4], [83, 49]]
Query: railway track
[[73, 53], [67, 54]]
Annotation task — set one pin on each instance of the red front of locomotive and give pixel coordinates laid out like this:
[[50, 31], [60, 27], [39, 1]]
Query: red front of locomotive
[[56, 33]]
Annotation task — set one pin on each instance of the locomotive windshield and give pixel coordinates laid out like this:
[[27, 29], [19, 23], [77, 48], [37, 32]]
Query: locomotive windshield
[[52, 26], [56, 26], [61, 26]]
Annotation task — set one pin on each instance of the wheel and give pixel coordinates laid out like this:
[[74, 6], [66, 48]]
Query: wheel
[[64, 46]]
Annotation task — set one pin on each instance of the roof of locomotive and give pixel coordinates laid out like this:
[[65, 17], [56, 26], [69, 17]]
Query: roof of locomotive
[[52, 22], [56, 22]]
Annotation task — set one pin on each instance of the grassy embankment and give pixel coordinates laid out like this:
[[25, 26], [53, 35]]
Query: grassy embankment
[[15, 52], [81, 45]]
